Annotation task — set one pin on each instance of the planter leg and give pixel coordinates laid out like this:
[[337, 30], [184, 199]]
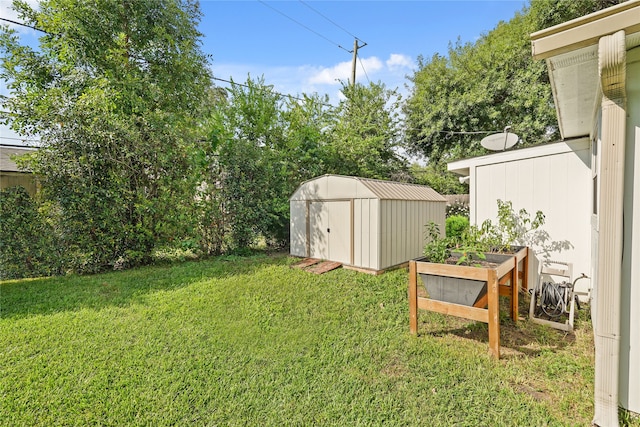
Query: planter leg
[[494, 316], [413, 298], [514, 293]]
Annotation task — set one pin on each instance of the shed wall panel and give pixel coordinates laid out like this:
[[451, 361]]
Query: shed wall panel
[[298, 227], [365, 229], [402, 224], [374, 237]]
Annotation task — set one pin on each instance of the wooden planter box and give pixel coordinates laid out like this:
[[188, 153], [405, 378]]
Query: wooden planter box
[[469, 292]]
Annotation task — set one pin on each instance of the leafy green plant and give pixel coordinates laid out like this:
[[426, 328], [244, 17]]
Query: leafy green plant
[[469, 255], [455, 226], [513, 228], [28, 243], [437, 248]]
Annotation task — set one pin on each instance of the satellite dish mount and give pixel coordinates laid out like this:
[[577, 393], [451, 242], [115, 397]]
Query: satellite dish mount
[[500, 141]]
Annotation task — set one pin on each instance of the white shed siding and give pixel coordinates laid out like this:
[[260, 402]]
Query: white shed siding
[[402, 228], [365, 233], [374, 237], [298, 227], [558, 185]]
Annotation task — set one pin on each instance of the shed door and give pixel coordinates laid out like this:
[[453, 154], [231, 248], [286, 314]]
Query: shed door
[[330, 231]]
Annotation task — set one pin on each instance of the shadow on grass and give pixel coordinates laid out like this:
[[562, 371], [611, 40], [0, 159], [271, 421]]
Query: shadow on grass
[[31, 297], [521, 339]]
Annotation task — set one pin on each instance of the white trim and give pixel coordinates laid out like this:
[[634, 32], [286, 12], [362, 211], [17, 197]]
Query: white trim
[[463, 167]]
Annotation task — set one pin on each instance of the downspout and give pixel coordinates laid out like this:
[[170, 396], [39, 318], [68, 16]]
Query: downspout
[[612, 70]]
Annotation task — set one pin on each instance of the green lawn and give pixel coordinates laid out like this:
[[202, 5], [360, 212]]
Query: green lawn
[[252, 342]]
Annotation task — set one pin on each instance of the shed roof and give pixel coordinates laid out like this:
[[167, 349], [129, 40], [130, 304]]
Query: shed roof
[[338, 186], [7, 152]]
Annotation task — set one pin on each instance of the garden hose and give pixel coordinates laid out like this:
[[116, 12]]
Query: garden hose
[[553, 298]]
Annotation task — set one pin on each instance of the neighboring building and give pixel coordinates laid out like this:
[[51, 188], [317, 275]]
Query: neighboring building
[[552, 178], [594, 69], [363, 223], [10, 174]]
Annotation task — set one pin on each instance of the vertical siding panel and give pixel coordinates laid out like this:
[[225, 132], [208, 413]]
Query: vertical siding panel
[[402, 224], [357, 232], [366, 234], [383, 233], [375, 230], [298, 227], [392, 235], [548, 180], [388, 244], [412, 229]]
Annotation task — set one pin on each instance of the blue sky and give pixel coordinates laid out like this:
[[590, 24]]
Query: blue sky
[[251, 37], [254, 37]]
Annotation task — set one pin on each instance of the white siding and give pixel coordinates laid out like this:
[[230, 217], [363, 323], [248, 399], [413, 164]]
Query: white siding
[[559, 185], [365, 237], [630, 315], [402, 229], [298, 228]]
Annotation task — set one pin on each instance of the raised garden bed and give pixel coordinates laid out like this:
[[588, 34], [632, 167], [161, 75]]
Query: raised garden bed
[[469, 291]]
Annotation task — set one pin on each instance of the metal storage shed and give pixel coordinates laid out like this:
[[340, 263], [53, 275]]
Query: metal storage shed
[[363, 223]]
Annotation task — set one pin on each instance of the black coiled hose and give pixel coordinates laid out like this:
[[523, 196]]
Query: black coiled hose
[[553, 299]]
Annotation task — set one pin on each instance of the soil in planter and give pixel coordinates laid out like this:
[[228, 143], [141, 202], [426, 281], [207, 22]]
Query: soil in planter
[[475, 263]]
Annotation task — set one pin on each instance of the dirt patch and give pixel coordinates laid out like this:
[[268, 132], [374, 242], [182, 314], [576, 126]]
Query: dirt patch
[[536, 391]]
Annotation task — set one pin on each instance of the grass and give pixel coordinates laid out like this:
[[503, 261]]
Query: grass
[[250, 341]]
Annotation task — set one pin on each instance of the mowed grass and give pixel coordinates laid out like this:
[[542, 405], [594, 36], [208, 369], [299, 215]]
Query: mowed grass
[[251, 341]]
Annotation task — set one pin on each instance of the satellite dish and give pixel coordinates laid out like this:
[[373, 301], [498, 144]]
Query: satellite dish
[[500, 141]]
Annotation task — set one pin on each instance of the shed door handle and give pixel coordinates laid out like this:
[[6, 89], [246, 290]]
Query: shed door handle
[[328, 230]]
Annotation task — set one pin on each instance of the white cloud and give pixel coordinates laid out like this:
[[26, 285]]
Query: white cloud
[[398, 61], [296, 80], [342, 71]]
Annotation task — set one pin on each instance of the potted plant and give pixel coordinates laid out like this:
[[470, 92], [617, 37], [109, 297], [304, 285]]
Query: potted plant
[[464, 275]]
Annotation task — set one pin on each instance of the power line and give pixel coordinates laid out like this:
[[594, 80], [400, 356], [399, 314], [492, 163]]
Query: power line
[[271, 91], [365, 71], [304, 26], [22, 24], [337, 25]]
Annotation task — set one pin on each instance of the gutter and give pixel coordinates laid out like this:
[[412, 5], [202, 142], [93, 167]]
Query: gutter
[[608, 304]]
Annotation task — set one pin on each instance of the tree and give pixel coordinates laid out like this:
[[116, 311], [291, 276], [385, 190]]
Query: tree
[[436, 176], [266, 145], [487, 85], [114, 92], [366, 137]]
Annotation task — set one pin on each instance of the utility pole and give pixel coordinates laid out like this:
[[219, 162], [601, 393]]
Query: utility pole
[[353, 63]]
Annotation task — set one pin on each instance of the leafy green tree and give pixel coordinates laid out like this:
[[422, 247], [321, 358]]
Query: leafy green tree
[[436, 176], [266, 145], [28, 245], [113, 91], [366, 138], [487, 85]]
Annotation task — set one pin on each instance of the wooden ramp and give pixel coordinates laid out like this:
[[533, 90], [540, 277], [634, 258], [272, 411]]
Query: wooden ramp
[[317, 266], [305, 263]]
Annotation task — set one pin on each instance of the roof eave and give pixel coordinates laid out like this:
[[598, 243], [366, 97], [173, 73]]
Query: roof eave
[[586, 31]]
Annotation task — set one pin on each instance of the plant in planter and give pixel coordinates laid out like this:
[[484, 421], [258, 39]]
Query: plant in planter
[[458, 277]]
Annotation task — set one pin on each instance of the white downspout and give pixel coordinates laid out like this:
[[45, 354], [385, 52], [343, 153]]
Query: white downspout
[[612, 69]]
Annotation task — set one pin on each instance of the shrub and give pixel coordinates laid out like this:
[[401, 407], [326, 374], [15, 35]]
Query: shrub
[[457, 208], [456, 225], [28, 243]]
